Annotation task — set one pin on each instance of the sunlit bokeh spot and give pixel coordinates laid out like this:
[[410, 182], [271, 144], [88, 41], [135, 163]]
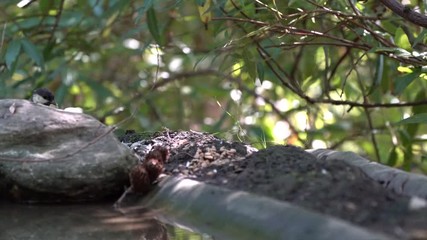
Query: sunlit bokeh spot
[[318, 144], [236, 95], [281, 131], [131, 43]]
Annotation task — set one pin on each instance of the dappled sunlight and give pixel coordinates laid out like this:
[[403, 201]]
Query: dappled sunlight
[[281, 131], [318, 144], [152, 55], [176, 64], [353, 147], [301, 121], [282, 105], [236, 95], [132, 43]]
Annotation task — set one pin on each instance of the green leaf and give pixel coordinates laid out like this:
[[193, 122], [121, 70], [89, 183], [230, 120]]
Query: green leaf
[[12, 53], [378, 74], [260, 70], [404, 136], [397, 51], [153, 27], [412, 129], [145, 7], [101, 91], [46, 5], [420, 37], [415, 119], [115, 8], [293, 3], [60, 93], [403, 81], [33, 52], [392, 157], [97, 7], [29, 23], [249, 64], [71, 18], [402, 40]]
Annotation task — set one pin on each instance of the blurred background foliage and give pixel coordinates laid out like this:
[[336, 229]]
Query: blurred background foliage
[[313, 73]]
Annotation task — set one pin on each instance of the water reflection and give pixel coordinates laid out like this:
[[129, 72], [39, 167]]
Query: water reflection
[[85, 222]]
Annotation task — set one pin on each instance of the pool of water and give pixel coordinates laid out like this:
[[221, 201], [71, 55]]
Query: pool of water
[[83, 222]]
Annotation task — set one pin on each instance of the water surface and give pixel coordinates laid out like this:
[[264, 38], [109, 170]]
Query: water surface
[[84, 222]]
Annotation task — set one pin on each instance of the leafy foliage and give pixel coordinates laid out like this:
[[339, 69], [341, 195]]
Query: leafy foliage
[[314, 73]]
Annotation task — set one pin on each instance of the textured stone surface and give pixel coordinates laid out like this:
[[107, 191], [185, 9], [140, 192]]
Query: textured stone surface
[[49, 155], [409, 184], [237, 214]]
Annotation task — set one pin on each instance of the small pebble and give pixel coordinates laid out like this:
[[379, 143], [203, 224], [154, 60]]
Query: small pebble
[[208, 156]]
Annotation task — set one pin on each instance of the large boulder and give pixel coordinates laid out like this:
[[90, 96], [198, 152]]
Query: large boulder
[[50, 155]]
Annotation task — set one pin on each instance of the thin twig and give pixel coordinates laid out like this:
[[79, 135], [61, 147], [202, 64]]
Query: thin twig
[[188, 75], [367, 113], [2, 36], [57, 18]]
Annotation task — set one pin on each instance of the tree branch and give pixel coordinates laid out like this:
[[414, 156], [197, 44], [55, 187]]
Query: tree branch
[[406, 12]]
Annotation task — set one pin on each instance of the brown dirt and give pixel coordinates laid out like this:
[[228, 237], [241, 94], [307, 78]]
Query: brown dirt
[[290, 174]]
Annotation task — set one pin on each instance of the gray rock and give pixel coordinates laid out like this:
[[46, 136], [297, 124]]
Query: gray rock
[[401, 182], [50, 155]]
